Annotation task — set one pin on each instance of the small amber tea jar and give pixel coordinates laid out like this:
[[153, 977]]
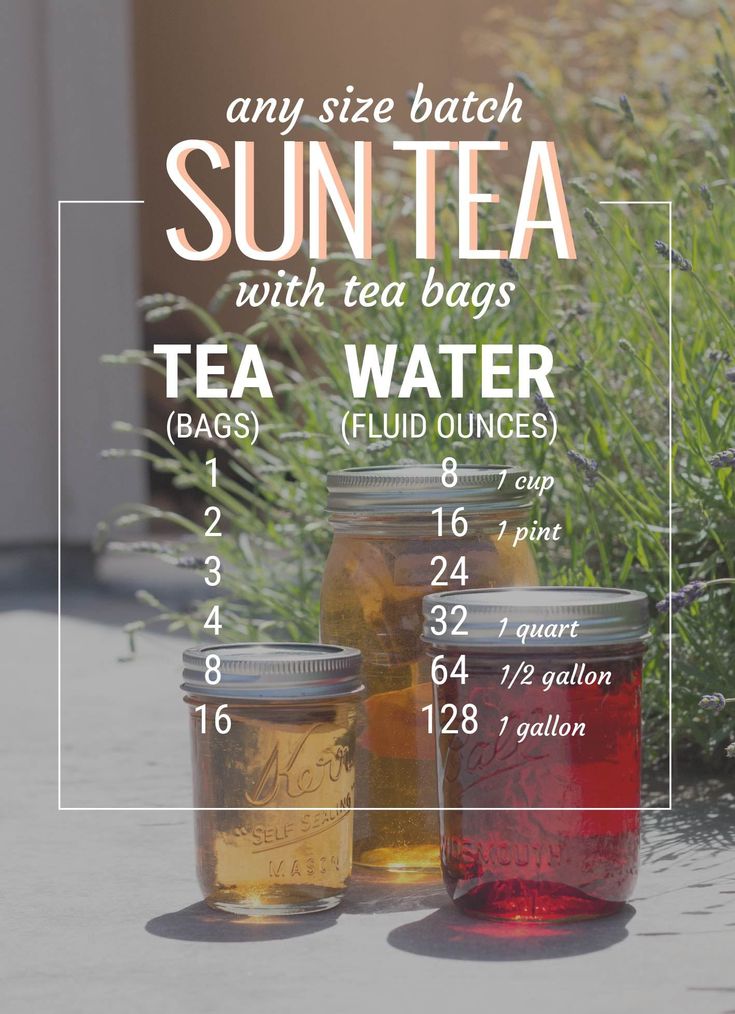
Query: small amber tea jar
[[272, 734], [537, 719], [399, 533]]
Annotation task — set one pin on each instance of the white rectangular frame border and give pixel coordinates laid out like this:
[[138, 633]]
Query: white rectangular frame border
[[370, 809]]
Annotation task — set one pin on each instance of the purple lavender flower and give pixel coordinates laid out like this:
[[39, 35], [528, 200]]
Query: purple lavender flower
[[508, 268], [627, 109], [526, 81], [706, 195], [189, 562], [673, 256], [593, 222], [542, 405], [713, 702], [588, 465], [682, 598], [730, 374], [723, 459]]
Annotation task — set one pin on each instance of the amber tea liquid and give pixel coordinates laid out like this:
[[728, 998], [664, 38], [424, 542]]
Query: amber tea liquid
[[285, 756], [273, 744], [372, 598]]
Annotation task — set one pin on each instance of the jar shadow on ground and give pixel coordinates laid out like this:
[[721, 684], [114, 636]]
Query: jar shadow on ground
[[367, 894], [203, 924], [447, 934]]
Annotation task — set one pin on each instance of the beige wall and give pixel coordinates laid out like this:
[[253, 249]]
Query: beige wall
[[65, 100], [194, 56]]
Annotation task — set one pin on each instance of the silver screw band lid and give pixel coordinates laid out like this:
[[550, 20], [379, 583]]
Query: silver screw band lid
[[273, 671], [392, 489], [516, 619]]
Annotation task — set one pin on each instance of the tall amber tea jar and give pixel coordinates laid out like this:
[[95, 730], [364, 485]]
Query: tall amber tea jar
[[272, 734], [399, 533], [538, 727]]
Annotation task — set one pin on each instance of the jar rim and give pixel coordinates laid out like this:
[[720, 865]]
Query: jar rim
[[273, 670], [527, 618], [412, 488]]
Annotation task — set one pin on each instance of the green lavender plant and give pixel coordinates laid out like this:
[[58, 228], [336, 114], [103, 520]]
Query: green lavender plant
[[652, 132]]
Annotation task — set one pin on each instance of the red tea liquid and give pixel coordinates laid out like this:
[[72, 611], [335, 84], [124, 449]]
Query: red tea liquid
[[542, 864]]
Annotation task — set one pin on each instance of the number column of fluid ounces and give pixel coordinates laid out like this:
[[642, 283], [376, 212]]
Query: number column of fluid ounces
[[383, 561], [446, 572], [449, 619]]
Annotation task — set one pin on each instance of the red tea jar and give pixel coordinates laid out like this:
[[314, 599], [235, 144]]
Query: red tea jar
[[537, 722]]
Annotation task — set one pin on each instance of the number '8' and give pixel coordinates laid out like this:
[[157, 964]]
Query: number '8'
[[212, 673], [449, 472]]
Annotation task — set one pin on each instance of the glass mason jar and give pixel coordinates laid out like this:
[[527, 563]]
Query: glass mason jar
[[272, 734], [537, 717], [387, 554]]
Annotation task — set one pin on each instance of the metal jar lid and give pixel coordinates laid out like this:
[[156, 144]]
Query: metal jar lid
[[392, 489], [515, 619], [274, 671]]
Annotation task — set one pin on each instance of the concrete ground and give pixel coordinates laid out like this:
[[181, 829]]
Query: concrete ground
[[101, 909]]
